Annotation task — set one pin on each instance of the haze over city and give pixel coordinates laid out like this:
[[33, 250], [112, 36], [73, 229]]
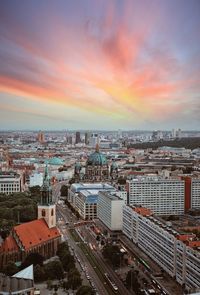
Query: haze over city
[[99, 64]]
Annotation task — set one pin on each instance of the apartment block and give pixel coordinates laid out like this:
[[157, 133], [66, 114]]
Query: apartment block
[[177, 253], [163, 196]]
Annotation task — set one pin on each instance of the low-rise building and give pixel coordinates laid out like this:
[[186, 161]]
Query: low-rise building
[[75, 188], [86, 204], [11, 182]]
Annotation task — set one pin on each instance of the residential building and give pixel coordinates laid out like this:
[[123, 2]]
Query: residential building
[[163, 196], [177, 253]]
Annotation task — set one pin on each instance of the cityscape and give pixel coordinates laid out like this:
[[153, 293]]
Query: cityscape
[[99, 147]]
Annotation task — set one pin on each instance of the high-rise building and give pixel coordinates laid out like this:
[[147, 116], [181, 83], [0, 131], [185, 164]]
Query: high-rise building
[[177, 253], [94, 139], [163, 196], [87, 135], [41, 137], [109, 210], [78, 137]]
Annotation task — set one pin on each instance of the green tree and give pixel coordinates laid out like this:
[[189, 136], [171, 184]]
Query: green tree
[[67, 261], [113, 254], [10, 269], [98, 238], [64, 191], [39, 273], [132, 281], [85, 290], [75, 282], [33, 258], [54, 270]]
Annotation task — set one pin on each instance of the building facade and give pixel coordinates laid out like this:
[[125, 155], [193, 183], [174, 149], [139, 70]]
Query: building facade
[[39, 235], [11, 182], [163, 196], [109, 210], [176, 253], [86, 204]]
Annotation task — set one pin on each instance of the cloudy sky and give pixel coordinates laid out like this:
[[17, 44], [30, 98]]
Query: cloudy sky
[[99, 64]]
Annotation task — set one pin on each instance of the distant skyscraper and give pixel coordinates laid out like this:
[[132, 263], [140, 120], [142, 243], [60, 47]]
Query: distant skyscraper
[[87, 138], [41, 137], [78, 137], [94, 139], [176, 133]]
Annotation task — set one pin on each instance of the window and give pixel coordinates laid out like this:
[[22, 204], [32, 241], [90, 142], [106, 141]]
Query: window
[[43, 212], [52, 212]]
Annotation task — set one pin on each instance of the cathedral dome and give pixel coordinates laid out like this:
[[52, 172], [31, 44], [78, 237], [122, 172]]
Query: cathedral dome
[[97, 158], [55, 161]]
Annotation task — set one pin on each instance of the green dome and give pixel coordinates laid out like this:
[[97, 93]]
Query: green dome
[[55, 161], [97, 159]]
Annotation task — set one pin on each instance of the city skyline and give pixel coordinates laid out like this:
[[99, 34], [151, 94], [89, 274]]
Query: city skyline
[[118, 65]]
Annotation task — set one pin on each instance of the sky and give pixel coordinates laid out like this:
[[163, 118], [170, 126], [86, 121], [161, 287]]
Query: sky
[[99, 64]]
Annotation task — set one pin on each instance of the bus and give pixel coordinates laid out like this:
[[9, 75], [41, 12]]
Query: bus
[[112, 284]]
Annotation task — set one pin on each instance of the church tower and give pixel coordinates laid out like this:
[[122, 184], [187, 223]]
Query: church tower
[[46, 207]]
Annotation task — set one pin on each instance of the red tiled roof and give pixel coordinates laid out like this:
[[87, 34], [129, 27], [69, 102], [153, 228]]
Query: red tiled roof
[[9, 245], [35, 232]]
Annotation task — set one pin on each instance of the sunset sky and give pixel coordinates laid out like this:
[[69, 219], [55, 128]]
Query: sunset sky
[[99, 64]]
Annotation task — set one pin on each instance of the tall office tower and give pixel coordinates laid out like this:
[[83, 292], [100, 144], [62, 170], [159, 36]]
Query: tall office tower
[[41, 137], [94, 139], [78, 137], [87, 138]]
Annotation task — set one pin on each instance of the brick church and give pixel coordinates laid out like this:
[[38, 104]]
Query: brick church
[[39, 235]]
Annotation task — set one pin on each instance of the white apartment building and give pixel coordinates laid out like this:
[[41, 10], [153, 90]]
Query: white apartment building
[[162, 243], [86, 204], [109, 210], [195, 193], [10, 182], [163, 196]]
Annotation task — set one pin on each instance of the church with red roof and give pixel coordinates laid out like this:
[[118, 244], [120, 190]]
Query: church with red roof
[[40, 235]]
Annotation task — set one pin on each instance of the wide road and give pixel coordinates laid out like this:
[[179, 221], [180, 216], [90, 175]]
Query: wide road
[[67, 216]]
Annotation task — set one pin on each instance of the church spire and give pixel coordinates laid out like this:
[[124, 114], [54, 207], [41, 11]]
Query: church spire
[[46, 190]]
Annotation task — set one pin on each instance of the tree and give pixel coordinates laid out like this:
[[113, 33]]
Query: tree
[[64, 191], [54, 270], [10, 269], [85, 290], [49, 284], [75, 281], [67, 261], [39, 273], [113, 254], [33, 258], [98, 238], [132, 281]]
